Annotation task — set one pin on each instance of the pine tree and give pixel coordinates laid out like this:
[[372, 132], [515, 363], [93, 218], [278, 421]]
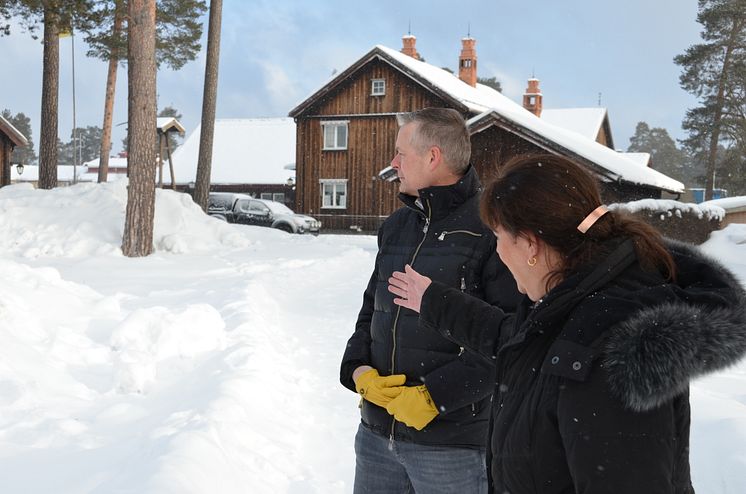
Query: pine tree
[[56, 17], [209, 99], [25, 155], [178, 36], [138, 227], [491, 82], [664, 155], [714, 71]]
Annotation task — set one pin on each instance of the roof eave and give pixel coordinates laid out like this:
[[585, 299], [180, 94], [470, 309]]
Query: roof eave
[[14, 134]]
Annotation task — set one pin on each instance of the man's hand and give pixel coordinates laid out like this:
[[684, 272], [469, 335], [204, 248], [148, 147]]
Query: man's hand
[[377, 389], [408, 287], [413, 406]]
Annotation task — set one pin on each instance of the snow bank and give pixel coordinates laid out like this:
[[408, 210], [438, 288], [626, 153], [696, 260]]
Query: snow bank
[[88, 219], [212, 365], [669, 208]]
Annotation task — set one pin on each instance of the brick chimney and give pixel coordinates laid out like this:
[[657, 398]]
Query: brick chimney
[[467, 61], [532, 97], [408, 46]]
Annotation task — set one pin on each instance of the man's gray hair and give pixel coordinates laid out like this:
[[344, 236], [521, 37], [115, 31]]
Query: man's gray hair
[[442, 127]]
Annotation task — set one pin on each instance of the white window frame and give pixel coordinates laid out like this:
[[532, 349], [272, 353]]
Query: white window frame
[[337, 125], [378, 87], [333, 184]]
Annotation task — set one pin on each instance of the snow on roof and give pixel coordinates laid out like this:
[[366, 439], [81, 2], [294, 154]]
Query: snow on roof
[[642, 159], [244, 151], [484, 100], [585, 121], [669, 207], [730, 204], [166, 124], [14, 134], [114, 162]]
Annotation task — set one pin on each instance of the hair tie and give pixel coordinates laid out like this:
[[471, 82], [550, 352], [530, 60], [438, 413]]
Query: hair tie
[[591, 219]]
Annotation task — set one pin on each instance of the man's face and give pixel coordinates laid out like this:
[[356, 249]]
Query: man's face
[[411, 165]]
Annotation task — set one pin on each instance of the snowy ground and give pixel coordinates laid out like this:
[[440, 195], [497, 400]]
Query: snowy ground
[[210, 366]]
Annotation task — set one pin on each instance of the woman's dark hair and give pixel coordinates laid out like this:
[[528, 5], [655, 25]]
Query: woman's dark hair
[[549, 196]]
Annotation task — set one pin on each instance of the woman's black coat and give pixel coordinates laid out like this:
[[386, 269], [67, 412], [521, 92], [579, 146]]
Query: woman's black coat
[[592, 384]]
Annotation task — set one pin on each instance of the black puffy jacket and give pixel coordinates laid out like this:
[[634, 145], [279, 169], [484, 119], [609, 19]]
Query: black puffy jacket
[[592, 383], [446, 240]]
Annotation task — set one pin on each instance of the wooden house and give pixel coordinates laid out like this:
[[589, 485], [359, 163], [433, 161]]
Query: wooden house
[[346, 133], [10, 137]]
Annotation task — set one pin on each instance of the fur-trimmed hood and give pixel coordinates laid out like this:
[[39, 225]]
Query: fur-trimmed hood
[[652, 356]]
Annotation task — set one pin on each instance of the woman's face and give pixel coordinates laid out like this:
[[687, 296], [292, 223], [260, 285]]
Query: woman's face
[[515, 252]]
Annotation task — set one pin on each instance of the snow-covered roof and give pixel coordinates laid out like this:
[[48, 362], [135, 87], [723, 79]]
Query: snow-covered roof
[[169, 124], [244, 151], [735, 204], [642, 159], [585, 121], [114, 162], [483, 100], [13, 133]]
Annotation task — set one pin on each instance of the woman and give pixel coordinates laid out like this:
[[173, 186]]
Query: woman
[[592, 383]]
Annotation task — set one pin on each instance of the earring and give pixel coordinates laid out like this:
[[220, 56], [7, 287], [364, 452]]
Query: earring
[[532, 262]]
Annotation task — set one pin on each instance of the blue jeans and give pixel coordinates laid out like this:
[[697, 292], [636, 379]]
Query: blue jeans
[[402, 467]]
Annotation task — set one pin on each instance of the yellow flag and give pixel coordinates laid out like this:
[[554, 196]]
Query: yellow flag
[[65, 32]]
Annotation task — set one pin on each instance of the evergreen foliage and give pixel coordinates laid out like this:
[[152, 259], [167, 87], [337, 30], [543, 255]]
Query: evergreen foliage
[[664, 155], [25, 155], [177, 34], [715, 71], [491, 82]]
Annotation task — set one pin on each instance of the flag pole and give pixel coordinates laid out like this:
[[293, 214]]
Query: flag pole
[[76, 139]]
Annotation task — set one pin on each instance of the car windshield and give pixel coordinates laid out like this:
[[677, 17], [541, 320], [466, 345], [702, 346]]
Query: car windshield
[[278, 207]]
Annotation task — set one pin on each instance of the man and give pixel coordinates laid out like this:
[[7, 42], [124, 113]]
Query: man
[[425, 406]]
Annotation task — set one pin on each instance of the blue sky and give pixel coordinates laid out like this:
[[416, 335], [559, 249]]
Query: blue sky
[[276, 53]]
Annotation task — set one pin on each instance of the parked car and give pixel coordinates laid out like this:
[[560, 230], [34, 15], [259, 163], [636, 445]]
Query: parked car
[[247, 210]]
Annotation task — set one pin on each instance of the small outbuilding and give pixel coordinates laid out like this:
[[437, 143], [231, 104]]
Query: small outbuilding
[[10, 137]]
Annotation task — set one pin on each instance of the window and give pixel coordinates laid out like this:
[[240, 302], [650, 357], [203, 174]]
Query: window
[[273, 196], [334, 194], [466, 63], [377, 87], [532, 100], [335, 135]]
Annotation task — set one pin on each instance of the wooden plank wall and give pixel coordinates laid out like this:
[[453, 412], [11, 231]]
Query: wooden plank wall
[[371, 142], [493, 147], [5, 154]]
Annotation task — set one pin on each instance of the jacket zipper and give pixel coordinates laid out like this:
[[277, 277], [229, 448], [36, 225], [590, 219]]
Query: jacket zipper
[[398, 310], [442, 236]]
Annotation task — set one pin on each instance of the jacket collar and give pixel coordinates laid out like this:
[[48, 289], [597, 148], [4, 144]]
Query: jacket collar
[[439, 201], [697, 327]]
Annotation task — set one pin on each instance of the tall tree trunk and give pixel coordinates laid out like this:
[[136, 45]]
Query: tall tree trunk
[[719, 104], [49, 100], [138, 227], [111, 82], [209, 98]]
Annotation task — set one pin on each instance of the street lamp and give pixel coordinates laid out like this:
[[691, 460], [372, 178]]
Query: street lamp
[[19, 167]]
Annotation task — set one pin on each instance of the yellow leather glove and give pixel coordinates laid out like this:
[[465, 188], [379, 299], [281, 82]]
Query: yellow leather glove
[[371, 387], [414, 406]]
